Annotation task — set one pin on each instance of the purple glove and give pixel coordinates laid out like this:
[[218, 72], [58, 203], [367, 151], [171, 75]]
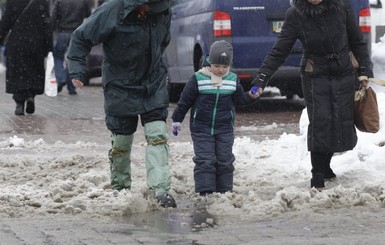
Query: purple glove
[[176, 128], [254, 89]]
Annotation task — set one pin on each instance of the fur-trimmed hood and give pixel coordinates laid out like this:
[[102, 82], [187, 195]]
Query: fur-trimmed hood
[[303, 7]]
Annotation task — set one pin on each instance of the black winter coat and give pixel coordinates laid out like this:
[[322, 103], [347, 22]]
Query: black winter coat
[[134, 73], [67, 15], [327, 32], [28, 43]]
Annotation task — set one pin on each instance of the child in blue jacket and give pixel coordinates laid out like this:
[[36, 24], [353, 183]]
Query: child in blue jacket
[[212, 94]]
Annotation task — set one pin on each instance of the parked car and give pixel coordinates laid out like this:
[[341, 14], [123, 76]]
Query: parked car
[[250, 25]]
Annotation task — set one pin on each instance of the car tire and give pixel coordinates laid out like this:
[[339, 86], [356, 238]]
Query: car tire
[[86, 81], [174, 91]]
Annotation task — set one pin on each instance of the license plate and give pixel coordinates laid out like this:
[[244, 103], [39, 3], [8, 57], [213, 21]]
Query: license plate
[[277, 26]]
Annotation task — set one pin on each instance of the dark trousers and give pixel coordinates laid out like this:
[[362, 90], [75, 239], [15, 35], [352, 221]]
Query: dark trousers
[[320, 162], [214, 158], [59, 51], [128, 125]]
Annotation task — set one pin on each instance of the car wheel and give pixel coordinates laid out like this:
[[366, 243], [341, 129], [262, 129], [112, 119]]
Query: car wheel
[[173, 91], [198, 59], [86, 81]]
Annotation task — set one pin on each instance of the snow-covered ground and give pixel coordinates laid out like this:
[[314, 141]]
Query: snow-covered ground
[[271, 177]]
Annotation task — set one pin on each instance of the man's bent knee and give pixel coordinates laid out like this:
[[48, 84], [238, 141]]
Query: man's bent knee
[[156, 133]]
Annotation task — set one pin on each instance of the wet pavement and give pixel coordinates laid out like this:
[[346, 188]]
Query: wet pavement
[[68, 118], [72, 118]]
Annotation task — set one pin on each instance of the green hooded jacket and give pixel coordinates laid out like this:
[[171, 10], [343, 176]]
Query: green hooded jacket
[[133, 72]]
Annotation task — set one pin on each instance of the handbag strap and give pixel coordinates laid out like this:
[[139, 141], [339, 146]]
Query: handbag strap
[[359, 94], [372, 79], [377, 81]]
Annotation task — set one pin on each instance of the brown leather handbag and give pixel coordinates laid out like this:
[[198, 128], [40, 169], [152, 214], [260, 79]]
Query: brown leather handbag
[[366, 115]]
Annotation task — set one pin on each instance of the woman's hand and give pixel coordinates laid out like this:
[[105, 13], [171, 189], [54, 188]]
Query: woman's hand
[[364, 80], [365, 83]]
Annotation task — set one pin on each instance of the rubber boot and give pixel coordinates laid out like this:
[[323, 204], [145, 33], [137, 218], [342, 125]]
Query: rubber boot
[[120, 161], [157, 166]]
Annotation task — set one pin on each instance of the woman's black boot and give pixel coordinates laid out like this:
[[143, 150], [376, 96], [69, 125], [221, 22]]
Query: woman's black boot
[[318, 162], [317, 181], [19, 108], [30, 105], [329, 175]]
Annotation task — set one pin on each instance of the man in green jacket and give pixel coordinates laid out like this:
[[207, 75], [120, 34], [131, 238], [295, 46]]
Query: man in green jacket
[[134, 34]]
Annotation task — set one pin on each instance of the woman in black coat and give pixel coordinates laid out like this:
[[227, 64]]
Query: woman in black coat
[[25, 25], [327, 30]]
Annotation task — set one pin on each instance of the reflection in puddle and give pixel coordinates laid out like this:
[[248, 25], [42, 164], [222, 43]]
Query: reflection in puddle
[[28, 124], [180, 221]]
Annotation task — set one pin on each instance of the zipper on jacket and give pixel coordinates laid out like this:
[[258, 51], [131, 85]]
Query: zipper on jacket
[[232, 118], [194, 116], [215, 112]]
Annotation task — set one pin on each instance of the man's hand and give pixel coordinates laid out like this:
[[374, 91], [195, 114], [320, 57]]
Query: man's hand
[[77, 83]]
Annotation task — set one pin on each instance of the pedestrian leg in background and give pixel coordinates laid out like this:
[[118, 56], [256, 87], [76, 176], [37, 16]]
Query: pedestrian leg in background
[[71, 88], [157, 164], [120, 161], [30, 102], [61, 72], [225, 159], [205, 163], [19, 98]]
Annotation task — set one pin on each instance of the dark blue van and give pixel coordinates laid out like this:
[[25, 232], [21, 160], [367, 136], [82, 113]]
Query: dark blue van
[[250, 25]]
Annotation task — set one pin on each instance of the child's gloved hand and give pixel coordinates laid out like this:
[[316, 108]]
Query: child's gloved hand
[[255, 92], [176, 126]]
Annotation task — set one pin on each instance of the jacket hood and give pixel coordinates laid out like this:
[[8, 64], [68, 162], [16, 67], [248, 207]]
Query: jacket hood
[[303, 7], [157, 5]]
